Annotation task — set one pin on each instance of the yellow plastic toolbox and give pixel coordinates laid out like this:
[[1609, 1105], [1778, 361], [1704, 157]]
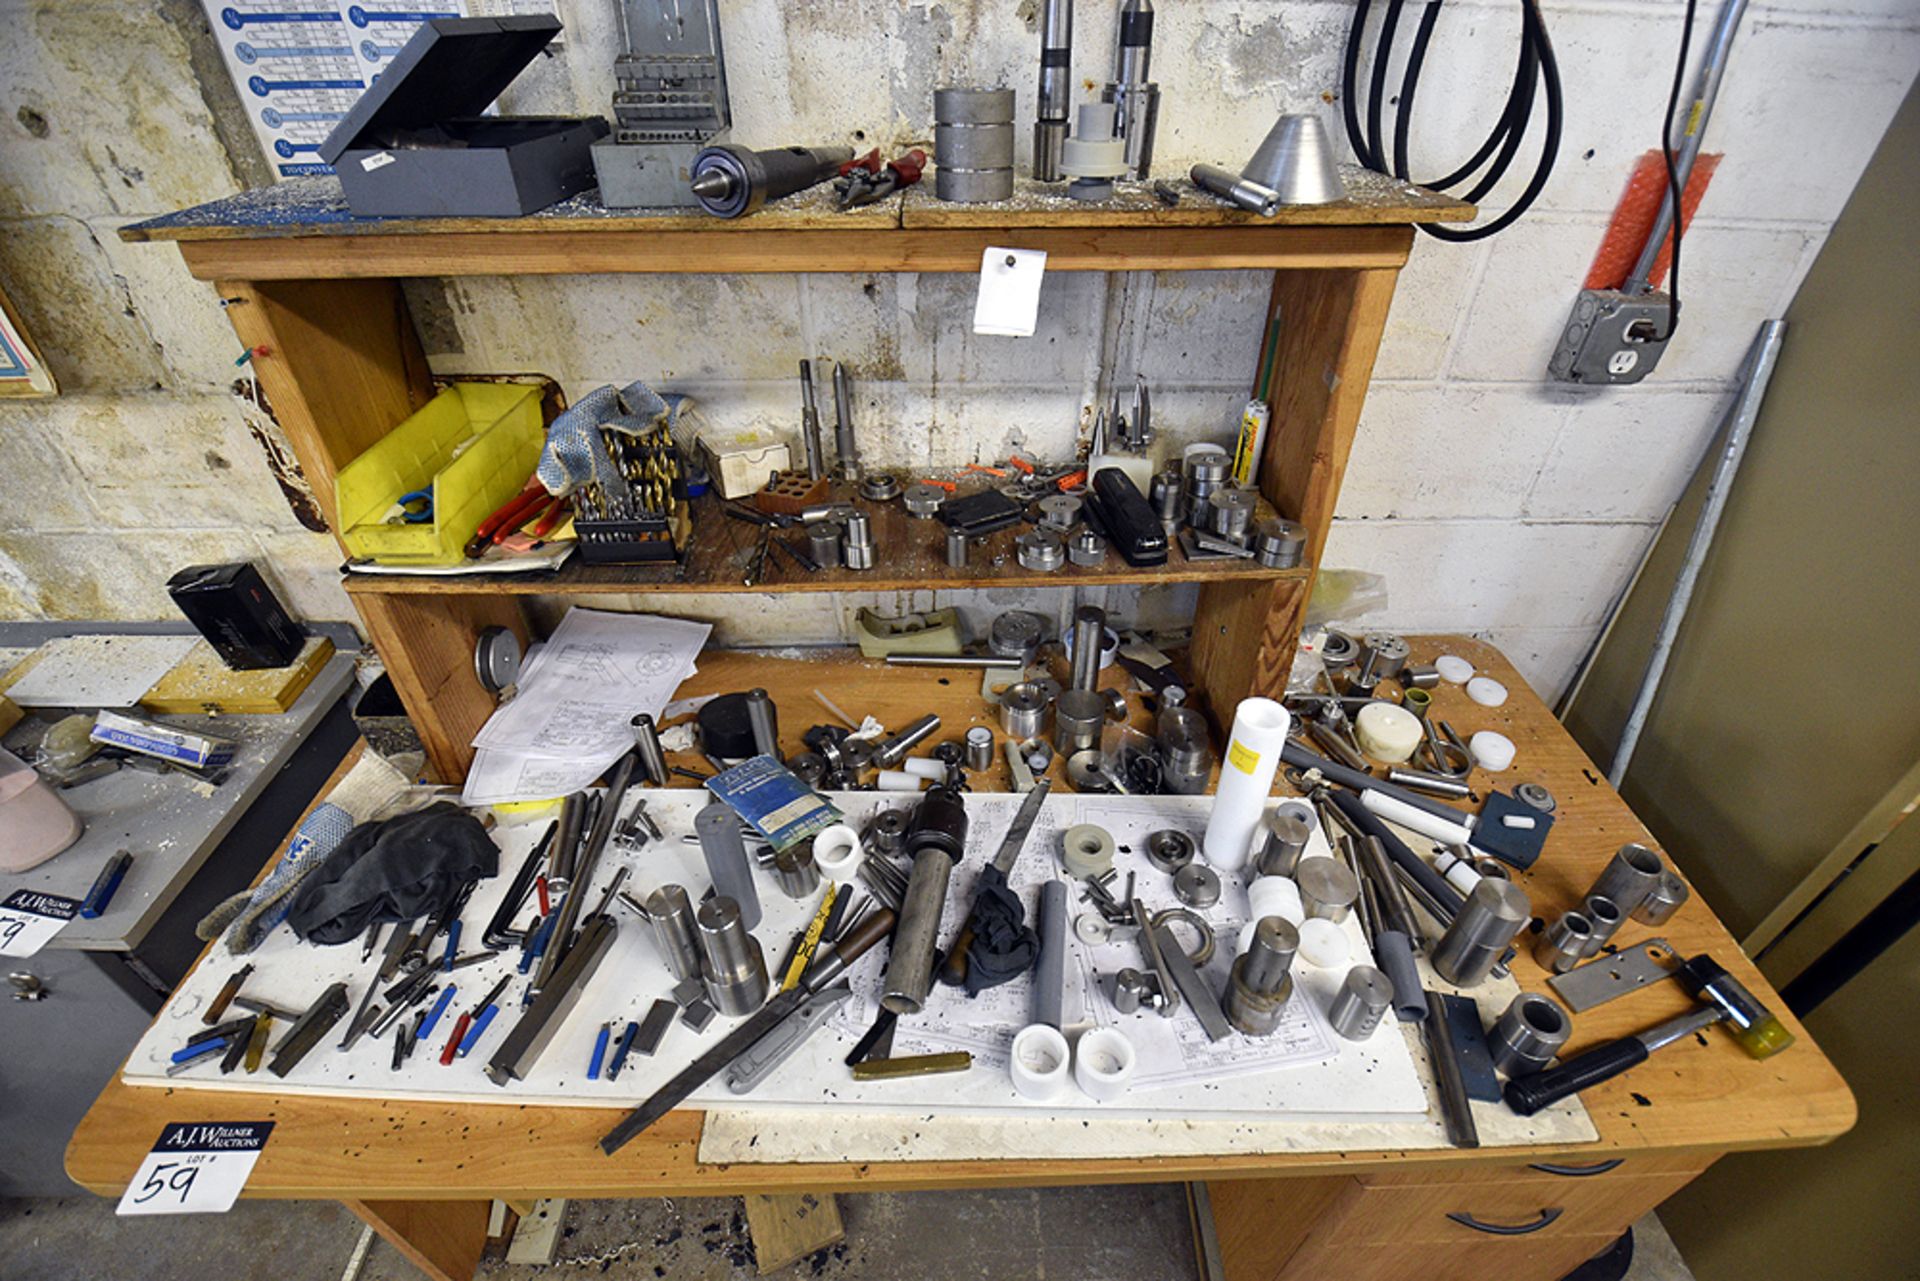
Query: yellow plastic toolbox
[[473, 445]]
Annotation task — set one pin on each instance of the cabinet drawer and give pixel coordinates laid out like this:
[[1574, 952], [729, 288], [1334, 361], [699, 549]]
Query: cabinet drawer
[[1525, 1259], [1575, 1168], [1379, 1215]]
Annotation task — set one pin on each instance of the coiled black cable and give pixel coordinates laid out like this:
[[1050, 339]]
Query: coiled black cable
[[1536, 67]]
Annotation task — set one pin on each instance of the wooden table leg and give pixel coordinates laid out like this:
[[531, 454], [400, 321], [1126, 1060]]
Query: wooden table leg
[[441, 1238]]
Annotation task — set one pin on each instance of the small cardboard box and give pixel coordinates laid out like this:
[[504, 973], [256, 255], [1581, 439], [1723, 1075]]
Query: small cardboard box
[[203, 751], [416, 144], [739, 461]]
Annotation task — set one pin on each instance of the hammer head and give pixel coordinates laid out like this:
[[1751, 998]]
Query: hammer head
[[1759, 1033]]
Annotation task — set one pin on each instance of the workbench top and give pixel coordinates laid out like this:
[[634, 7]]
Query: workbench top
[[168, 821], [1699, 1098]]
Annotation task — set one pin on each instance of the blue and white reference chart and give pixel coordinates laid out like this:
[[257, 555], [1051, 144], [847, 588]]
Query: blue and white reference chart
[[299, 65]]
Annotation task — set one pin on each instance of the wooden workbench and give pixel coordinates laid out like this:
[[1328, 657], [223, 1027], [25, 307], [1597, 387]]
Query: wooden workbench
[[424, 1173]]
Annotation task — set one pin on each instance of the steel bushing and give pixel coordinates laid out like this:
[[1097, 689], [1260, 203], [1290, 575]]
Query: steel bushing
[[1059, 512], [1023, 711], [923, 500], [1087, 548], [1037, 549]]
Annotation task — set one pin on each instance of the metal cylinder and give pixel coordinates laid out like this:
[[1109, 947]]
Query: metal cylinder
[[1023, 711], [1279, 544], [764, 722], [973, 144], [1016, 633], [1480, 933], [1228, 185], [1432, 784], [957, 548], [857, 548], [1563, 944], [1077, 717], [653, 757], [1667, 898], [1419, 676], [1230, 512], [1384, 654], [1630, 876], [729, 181], [910, 967], [1206, 471], [889, 753], [1164, 494], [718, 828], [1269, 955], [1527, 1036], [979, 745], [936, 837], [732, 966], [1055, 95], [795, 871], [1360, 1004], [1050, 973], [1607, 918], [1286, 835], [1089, 633], [1186, 756], [846, 450], [1130, 990], [824, 537], [1327, 888], [670, 915]]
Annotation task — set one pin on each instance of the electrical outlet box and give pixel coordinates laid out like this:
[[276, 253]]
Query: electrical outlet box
[[1612, 337]]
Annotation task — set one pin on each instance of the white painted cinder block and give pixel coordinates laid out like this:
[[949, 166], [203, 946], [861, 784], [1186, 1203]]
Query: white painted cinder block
[[1626, 456], [1425, 451]]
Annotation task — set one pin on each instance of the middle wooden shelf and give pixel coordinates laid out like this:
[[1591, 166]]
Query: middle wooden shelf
[[909, 554]]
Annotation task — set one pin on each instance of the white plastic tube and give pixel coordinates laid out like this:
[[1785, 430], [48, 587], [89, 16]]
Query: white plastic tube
[[925, 767], [1246, 776], [837, 853], [1040, 1061], [1414, 819], [895, 780], [1103, 1063]]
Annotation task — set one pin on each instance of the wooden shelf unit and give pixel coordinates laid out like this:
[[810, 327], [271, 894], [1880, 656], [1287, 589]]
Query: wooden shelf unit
[[318, 291]]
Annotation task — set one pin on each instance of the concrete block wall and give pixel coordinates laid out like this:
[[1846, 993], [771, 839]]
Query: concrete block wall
[[1494, 502]]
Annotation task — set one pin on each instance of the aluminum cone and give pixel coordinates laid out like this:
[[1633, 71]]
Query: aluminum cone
[[1296, 160]]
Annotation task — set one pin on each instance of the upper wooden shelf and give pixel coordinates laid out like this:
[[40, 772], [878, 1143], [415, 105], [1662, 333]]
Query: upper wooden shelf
[[909, 555], [301, 229]]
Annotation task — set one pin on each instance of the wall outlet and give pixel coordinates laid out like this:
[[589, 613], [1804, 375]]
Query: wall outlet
[[1612, 337]]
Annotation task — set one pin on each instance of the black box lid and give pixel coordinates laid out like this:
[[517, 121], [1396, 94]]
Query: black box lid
[[452, 68]]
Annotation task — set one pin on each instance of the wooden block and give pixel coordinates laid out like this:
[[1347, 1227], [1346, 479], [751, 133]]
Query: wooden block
[[10, 714], [788, 1228], [203, 684]]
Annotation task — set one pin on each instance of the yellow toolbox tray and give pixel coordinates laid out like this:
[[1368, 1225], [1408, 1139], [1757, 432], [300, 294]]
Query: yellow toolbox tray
[[474, 445]]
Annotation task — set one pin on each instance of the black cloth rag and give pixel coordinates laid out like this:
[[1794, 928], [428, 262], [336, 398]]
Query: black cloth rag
[[399, 869], [1002, 948]]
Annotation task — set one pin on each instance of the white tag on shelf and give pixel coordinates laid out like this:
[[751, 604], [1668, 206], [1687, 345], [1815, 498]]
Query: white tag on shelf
[[1009, 302], [29, 919], [197, 1167]]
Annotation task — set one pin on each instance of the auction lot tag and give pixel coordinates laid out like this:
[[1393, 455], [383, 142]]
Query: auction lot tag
[[197, 1167], [29, 918]]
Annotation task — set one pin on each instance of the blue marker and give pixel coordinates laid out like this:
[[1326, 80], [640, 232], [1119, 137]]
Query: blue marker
[[439, 1008], [105, 884], [453, 946], [599, 1051]]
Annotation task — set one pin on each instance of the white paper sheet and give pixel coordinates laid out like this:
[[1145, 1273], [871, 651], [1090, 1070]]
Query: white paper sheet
[[578, 696]]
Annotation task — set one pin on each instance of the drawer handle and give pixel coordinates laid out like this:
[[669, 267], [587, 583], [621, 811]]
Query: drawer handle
[[1508, 1229], [1579, 1171]]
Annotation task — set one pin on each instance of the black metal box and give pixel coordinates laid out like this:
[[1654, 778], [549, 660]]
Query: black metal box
[[237, 612]]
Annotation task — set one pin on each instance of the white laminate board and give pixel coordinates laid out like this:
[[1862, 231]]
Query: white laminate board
[[109, 671], [1372, 1079]]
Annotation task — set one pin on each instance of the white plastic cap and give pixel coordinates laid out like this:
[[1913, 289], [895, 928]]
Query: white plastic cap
[[837, 853], [1103, 1063], [1040, 1061], [1486, 691], [1454, 668], [1323, 943], [1491, 751]]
